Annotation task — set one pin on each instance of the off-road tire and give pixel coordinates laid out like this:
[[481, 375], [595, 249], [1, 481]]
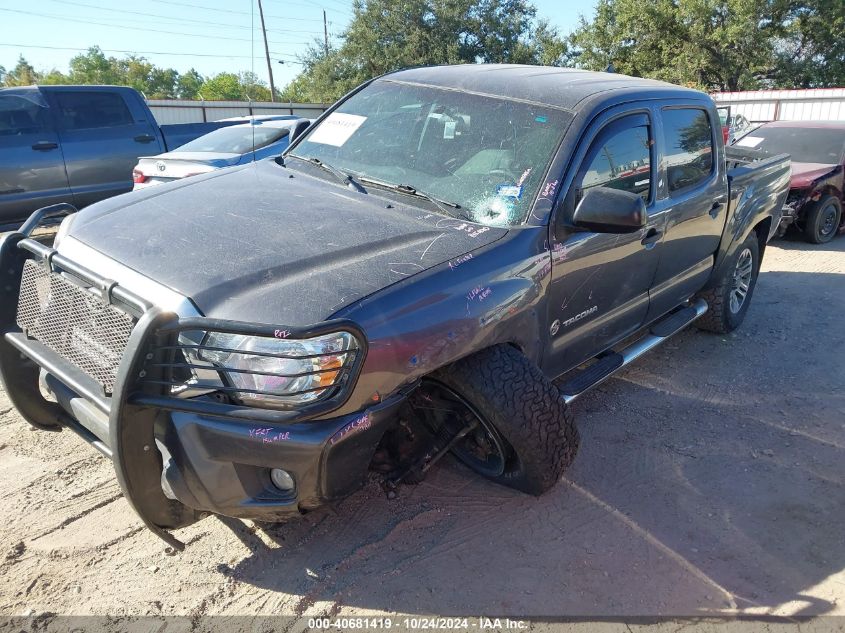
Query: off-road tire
[[815, 217], [526, 409], [719, 317]]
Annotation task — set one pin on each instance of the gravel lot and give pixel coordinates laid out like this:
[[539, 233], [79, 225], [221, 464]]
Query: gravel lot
[[710, 481]]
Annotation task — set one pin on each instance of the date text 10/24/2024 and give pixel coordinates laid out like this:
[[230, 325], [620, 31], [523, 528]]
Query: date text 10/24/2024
[[417, 623]]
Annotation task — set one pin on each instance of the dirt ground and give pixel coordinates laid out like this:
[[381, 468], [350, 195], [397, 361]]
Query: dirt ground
[[709, 482]]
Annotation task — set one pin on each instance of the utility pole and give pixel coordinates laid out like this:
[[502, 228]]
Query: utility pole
[[325, 34], [267, 52]]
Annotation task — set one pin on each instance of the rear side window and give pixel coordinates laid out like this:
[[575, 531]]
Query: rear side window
[[688, 142], [621, 161], [20, 116], [87, 110]]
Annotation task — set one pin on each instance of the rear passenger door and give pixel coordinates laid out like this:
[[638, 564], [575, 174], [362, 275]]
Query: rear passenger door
[[102, 139], [32, 171], [693, 198]]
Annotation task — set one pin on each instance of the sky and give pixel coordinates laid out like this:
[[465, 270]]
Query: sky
[[211, 36]]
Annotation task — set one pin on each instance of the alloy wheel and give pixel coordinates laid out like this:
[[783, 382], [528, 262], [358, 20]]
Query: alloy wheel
[[741, 282]]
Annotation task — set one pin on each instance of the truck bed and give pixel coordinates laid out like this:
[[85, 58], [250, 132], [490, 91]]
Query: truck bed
[[757, 182]]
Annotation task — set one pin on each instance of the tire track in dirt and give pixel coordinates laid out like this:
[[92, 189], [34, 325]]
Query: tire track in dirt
[[81, 513], [328, 583], [66, 472]]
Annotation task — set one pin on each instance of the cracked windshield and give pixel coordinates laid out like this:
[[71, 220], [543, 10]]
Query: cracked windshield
[[484, 157]]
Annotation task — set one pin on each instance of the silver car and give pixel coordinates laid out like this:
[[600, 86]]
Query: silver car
[[233, 145]]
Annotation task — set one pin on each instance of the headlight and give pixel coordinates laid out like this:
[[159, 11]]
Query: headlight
[[273, 370]]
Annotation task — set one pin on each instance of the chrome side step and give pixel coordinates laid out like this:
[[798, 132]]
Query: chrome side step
[[611, 362]]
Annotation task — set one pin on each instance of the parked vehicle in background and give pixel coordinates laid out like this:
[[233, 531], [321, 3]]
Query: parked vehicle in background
[[733, 125], [817, 148], [225, 147], [442, 264], [76, 144]]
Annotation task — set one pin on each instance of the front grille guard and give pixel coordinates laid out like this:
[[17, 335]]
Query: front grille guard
[[152, 368], [69, 320], [134, 406]]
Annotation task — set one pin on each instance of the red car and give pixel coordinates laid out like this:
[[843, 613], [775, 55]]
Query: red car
[[817, 148]]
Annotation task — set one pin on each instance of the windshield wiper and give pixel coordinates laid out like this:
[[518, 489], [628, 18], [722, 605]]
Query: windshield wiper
[[346, 179], [445, 206]]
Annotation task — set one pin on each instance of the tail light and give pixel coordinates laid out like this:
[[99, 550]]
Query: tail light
[[726, 132], [139, 177]]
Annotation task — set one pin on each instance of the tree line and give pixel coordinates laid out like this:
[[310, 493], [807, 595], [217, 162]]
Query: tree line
[[93, 67], [712, 45]]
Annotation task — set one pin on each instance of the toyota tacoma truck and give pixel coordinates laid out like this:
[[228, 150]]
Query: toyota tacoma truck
[[442, 264]]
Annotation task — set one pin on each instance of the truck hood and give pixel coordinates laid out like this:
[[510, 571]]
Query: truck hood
[[268, 244], [803, 174]]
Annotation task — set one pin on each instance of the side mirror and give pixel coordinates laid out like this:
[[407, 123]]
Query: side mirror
[[300, 129], [606, 210]]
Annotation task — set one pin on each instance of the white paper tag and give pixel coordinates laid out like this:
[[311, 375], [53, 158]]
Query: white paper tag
[[336, 129], [449, 129], [749, 141]]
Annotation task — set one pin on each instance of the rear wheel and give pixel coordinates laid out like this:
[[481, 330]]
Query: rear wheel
[[730, 297], [518, 431], [822, 220]]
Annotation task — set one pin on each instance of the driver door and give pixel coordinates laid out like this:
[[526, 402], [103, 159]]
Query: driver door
[[599, 286]]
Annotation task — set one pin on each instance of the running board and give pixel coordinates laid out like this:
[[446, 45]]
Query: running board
[[611, 362]]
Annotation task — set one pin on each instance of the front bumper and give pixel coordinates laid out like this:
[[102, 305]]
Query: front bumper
[[177, 458]]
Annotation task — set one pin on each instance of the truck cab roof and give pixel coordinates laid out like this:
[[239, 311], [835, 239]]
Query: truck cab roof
[[566, 88]]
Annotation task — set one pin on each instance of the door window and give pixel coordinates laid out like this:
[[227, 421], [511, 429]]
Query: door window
[[88, 110], [621, 160], [688, 140], [20, 116]]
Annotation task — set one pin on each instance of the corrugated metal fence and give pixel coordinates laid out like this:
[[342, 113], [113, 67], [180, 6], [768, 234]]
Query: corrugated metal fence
[[169, 111], [819, 104]]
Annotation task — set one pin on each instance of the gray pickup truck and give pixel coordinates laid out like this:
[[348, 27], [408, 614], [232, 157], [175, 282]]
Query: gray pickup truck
[[76, 144], [442, 264]]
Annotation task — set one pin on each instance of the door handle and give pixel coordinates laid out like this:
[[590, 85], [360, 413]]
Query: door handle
[[717, 205], [144, 138], [651, 238], [43, 146]]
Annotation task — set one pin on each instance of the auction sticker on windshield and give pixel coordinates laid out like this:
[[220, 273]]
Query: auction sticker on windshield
[[336, 128]]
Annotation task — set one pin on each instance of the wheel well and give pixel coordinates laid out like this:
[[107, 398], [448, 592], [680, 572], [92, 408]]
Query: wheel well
[[516, 346], [831, 190], [762, 230]]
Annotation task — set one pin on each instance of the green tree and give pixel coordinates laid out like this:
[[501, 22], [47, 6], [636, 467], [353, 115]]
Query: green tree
[[422, 32], [810, 52], [93, 67], [23, 74], [253, 88], [718, 44], [232, 87], [550, 49], [188, 85], [54, 77]]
